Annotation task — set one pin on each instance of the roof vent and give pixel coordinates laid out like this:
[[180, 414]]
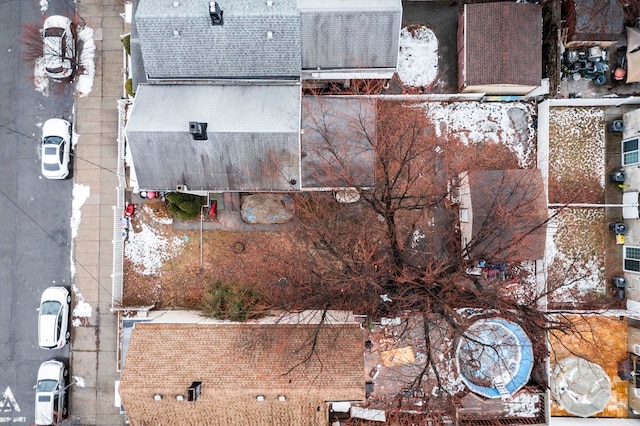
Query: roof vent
[[176, 3], [216, 13], [269, 35], [282, 398], [194, 391], [180, 397], [260, 398], [198, 130], [157, 397], [269, 3]]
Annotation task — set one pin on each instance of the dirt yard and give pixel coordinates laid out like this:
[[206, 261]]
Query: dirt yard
[[181, 278]]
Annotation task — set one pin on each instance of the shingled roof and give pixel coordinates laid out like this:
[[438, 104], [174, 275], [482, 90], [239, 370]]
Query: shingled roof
[[177, 39], [500, 43], [350, 34], [236, 363], [507, 213], [253, 137]]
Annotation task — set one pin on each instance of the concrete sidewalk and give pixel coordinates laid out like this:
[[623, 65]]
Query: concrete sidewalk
[[93, 356]]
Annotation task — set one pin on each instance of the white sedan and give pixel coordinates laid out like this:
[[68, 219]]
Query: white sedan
[[53, 320], [56, 148], [51, 393]]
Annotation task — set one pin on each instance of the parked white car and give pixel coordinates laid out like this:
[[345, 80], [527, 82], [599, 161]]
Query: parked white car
[[56, 148], [51, 393], [59, 47], [53, 318]]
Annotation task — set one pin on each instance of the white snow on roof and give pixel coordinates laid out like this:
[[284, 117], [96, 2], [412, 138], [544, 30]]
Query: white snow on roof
[[418, 57], [507, 123]]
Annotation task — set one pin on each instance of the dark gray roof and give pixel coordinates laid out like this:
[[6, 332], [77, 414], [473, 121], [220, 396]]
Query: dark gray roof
[[337, 139], [350, 33], [180, 42], [253, 137]]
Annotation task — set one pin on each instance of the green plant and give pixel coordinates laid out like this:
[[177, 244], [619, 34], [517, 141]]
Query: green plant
[[126, 42], [184, 206], [128, 86], [229, 302]]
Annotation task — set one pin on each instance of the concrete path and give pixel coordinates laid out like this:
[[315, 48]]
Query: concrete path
[[94, 343]]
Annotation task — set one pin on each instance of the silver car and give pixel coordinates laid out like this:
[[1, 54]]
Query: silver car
[[53, 318], [59, 47], [51, 393], [56, 148]]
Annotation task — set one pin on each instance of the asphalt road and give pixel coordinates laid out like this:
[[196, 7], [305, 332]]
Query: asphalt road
[[35, 233]]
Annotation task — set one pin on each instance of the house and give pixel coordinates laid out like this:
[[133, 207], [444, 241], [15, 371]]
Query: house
[[503, 214], [238, 374], [592, 22], [264, 40], [250, 139], [500, 48]]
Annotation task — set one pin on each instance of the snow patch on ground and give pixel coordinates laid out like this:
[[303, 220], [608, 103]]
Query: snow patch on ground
[[418, 57], [40, 78], [82, 310], [523, 405], [87, 61], [577, 142], [81, 194], [78, 381], [510, 124], [161, 220], [44, 5], [575, 263], [148, 249]]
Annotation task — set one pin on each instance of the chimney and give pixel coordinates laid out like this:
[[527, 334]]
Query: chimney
[[216, 13], [193, 391], [198, 131]]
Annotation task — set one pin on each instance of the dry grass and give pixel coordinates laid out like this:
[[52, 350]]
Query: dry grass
[[226, 256]]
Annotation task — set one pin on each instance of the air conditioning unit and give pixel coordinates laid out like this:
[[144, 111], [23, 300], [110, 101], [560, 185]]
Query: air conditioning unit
[[636, 349]]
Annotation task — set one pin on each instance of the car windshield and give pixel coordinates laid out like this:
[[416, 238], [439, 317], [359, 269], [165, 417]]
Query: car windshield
[[46, 385], [52, 140], [50, 307]]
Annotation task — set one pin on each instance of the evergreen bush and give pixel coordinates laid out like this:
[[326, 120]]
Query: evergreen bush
[[184, 206], [229, 302]]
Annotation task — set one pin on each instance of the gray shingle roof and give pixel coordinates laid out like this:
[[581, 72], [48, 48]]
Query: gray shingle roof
[[338, 133], [239, 48], [253, 137], [350, 34]]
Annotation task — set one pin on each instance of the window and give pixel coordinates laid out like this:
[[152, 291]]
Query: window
[[630, 151], [632, 259]]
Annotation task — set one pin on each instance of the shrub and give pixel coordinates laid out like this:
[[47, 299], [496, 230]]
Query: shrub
[[184, 206], [128, 86], [126, 42], [229, 302]]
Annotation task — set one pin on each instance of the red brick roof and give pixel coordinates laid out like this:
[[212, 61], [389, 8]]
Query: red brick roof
[[503, 44], [235, 363]]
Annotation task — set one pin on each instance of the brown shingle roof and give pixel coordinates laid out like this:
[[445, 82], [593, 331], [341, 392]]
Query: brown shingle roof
[[503, 43], [235, 363]]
